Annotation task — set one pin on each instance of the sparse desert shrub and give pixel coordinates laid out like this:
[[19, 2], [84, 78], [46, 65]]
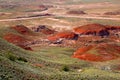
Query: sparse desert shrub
[[22, 59], [11, 56], [0, 59], [65, 68]]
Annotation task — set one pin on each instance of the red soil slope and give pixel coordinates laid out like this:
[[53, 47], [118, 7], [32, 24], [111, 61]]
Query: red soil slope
[[17, 40], [89, 28], [93, 28], [22, 29], [103, 52], [66, 35]]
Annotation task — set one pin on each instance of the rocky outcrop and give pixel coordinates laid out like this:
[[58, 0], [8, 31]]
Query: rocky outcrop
[[101, 52], [43, 29], [103, 33]]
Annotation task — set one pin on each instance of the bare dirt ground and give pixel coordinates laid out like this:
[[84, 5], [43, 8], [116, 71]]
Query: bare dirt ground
[[60, 11]]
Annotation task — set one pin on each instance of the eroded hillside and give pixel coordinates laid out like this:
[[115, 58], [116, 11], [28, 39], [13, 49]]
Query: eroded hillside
[[59, 40]]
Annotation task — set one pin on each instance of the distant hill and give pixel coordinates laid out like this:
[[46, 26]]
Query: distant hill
[[27, 2]]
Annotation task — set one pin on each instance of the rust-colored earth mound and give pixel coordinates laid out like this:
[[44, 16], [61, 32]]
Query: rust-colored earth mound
[[22, 29], [17, 40], [66, 35], [102, 52], [89, 28], [94, 29]]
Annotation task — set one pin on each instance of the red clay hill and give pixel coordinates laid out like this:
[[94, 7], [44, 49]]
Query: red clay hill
[[89, 28], [65, 35], [95, 29], [17, 40], [101, 52], [22, 29]]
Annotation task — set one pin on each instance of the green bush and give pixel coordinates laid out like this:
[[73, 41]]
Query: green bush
[[65, 68], [22, 59], [11, 56]]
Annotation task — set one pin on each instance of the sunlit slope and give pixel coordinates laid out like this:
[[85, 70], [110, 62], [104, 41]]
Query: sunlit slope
[[51, 63]]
